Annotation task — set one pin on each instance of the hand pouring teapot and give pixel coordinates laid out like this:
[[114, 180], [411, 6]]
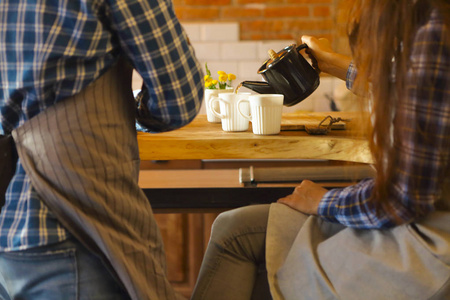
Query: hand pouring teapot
[[286, 72]]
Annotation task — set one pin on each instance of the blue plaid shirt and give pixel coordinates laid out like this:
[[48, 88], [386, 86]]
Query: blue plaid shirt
[[50, 50], [423, 145]]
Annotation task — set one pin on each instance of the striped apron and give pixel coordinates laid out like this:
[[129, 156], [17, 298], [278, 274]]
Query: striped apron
[[83, 160]]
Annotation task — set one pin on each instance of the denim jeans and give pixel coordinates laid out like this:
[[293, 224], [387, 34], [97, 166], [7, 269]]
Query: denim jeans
[[234, 263], [62, 271]]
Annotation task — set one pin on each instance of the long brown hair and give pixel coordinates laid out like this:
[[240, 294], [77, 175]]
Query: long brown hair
[[381, 34]]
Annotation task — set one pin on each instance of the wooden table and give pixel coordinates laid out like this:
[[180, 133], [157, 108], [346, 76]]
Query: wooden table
[[215, 190], [203, 140]]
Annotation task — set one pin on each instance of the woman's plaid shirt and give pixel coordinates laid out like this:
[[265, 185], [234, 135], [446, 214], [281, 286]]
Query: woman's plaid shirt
[[423, 145]]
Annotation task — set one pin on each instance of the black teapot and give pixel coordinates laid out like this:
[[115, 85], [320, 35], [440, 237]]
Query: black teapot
[[286, 72]]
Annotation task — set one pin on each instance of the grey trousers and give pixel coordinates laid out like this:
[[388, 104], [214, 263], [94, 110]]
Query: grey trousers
[[234, 263]]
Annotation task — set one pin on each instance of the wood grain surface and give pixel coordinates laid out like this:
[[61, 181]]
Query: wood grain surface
[[297, 121], [203, 140]]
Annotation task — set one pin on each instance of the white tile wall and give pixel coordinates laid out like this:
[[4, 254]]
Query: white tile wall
[[207, 51], [248, 70], [239, 51], [219, 32], [193, 31], [219, 45]]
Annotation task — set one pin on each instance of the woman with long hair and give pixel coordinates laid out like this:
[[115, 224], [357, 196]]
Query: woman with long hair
[[383, 238]]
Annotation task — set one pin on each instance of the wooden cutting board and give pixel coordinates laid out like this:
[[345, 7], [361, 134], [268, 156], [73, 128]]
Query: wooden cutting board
[[294, 121]]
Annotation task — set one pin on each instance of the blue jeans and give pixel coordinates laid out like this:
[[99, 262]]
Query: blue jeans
[[66, 270]]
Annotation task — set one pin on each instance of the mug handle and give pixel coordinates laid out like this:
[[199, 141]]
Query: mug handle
[[211, 107], [239, 109]]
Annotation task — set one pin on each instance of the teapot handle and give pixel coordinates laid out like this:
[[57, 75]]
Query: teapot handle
[[301, 47], [314, 64]]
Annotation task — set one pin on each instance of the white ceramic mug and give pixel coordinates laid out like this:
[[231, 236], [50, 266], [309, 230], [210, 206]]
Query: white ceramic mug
[[266, 110], [209, 93], [232, 120]]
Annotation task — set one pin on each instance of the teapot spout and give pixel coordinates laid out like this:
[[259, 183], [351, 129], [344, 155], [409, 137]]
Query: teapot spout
[[260, 87]]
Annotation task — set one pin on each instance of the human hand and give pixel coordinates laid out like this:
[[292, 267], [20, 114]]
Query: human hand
[[318, 51], [305, 198], [324, 58]]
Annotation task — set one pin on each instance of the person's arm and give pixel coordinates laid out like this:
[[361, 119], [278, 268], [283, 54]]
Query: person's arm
[[422, 140], [159, 50], [325, 59]]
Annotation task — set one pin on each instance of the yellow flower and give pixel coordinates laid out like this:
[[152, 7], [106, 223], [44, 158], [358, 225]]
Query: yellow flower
[[231, 77], [223, 77], [211, 83], [224, 81]]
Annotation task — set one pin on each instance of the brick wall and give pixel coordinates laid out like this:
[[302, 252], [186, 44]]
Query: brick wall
[[264, 19], [234, 36], [220, 45]]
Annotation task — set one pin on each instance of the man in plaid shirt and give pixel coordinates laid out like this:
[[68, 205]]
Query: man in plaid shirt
[[53, 50]]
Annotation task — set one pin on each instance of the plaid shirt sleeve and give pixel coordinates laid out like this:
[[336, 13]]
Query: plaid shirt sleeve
[[423, 144], [160, 51], [351, 75]]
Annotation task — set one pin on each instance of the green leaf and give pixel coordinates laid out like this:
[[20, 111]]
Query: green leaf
[[208, 72]]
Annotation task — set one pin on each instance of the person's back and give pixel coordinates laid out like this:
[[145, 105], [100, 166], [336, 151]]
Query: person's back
[[65, 95]]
